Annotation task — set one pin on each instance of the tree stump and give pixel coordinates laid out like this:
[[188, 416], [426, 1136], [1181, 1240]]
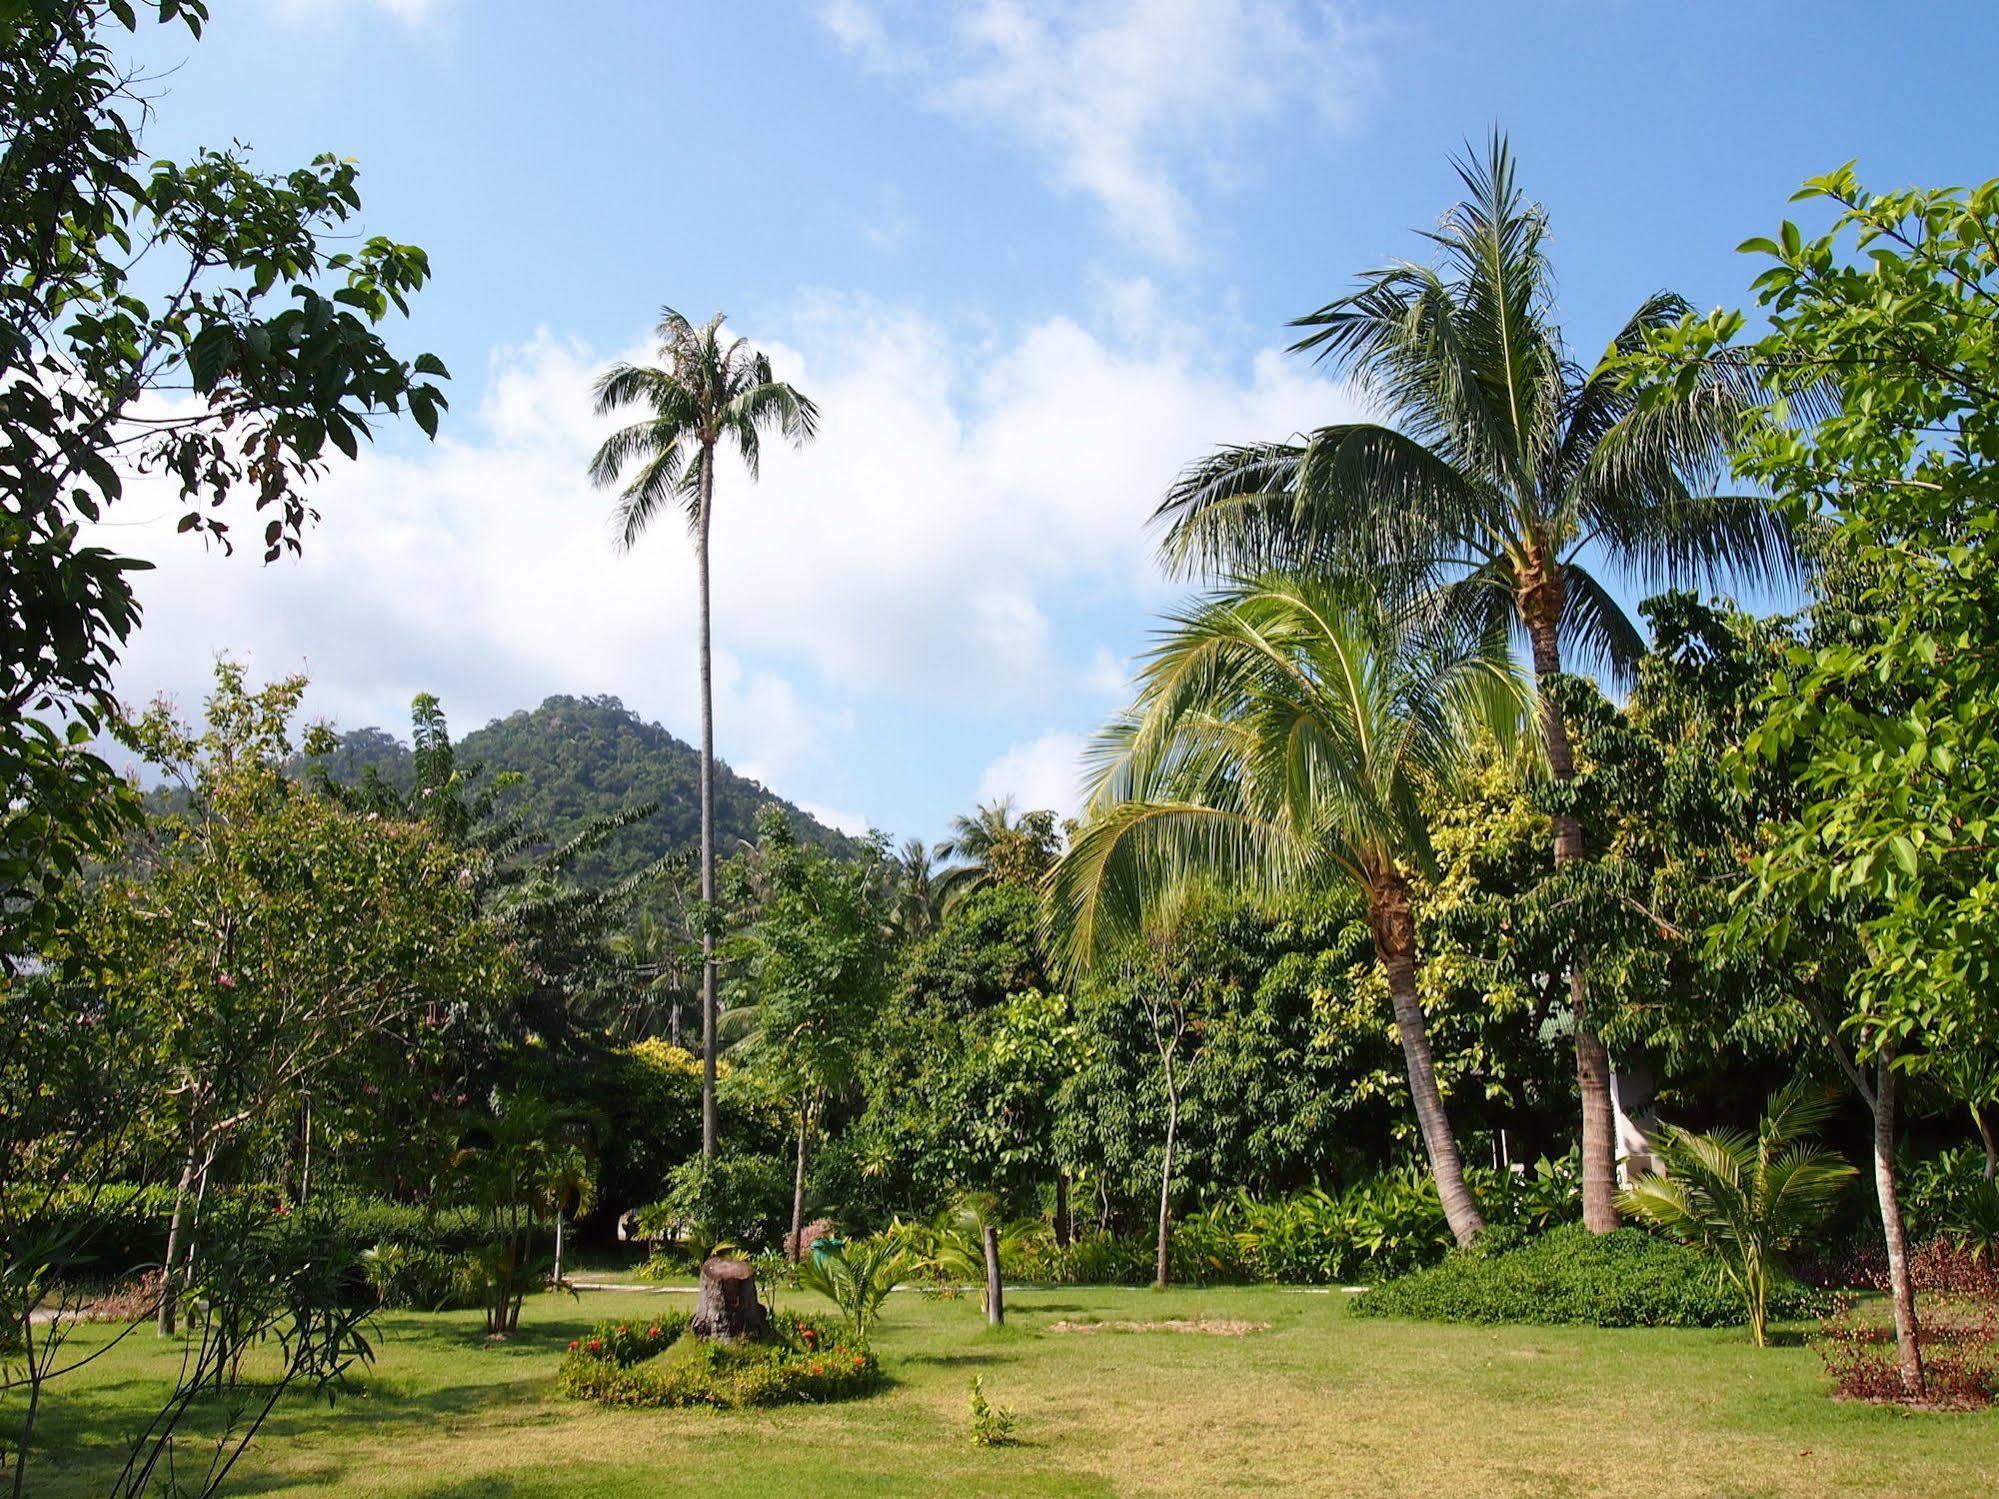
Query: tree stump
[[727, 1307]]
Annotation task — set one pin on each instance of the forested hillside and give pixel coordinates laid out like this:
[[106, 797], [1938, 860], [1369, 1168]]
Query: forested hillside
[[582, 757]]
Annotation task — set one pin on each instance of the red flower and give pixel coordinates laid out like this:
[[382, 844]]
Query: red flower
[[818, 1368], [858, 1361], [596, 1345], [652, 1332], [572, 1345], [809, 1335]]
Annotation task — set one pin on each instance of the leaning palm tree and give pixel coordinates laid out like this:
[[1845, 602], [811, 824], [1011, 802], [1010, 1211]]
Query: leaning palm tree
[[1283, 734], [706, 393], [1503, 474], [1744, 1199]]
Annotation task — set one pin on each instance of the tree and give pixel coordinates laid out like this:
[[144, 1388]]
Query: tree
[[273, 934], [992, 847], [244, 297], [1743, 1199], [1504, 465], [1282, 738], [818, 965], [1888, 718], [706, 393], [523, 1164]]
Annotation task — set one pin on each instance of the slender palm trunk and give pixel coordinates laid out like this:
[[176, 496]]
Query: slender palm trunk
[[1394, 930], [1166, 1169], [798, 1189], [1985, 1138], [1901, 1284], [707, 813], [1542, 609]]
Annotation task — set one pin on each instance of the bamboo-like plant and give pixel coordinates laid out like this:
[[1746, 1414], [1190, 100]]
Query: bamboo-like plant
[[1743, 1199]]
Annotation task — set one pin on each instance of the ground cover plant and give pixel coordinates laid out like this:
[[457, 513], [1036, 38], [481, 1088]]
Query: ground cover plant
[[660, 1362]]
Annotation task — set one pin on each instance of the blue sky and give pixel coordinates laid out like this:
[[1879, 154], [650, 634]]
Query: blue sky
[[1030, 257]]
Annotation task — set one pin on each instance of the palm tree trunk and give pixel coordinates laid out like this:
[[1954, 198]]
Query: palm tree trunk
[[798, 1192], [1901, 1285], [1166, 1174], [1985, 1138], [1394, 931], [995, 1287], [707, 812], [1541, 608]]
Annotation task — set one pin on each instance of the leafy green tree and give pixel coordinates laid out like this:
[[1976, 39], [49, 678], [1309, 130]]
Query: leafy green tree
[[1503, 467], [706, 393], [244, 295], [1282, 739], [1886, 718], [1743, 1199], [562, 930], [818, 965], [274, 934]]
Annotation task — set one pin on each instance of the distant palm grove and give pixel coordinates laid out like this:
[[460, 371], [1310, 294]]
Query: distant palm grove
[[1546, 871]]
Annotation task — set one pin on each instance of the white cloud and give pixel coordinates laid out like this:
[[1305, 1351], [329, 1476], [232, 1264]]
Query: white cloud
[[1046, 771], [860, 31], [851, 823], [1107, 674], [1121, 98], [970, 507]]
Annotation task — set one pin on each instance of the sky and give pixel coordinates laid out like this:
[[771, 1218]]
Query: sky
[[1029, 257]]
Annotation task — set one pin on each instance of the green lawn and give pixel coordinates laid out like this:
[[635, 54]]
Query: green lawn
[[1320, 1403]]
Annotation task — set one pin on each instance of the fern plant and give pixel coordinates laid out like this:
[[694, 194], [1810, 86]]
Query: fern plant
[[1743, 1199]]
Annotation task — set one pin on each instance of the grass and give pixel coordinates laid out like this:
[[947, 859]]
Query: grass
[[1321, 1403]]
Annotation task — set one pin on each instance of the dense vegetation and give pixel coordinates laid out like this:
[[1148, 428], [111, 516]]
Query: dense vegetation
[[1382, 953], [576, 759]]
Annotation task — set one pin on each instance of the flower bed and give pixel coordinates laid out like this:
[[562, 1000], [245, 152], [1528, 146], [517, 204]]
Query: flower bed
[[662, 1363]]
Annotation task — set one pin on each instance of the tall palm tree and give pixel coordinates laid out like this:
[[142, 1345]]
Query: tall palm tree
[[707, 392], [1503, 474], [1282, 735]]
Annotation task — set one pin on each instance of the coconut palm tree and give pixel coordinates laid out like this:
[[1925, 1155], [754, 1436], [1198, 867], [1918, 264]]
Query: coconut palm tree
[[706, 393], [1744, 1199], [915, 897], [1282, 736], [992, 845], [1503, 475]]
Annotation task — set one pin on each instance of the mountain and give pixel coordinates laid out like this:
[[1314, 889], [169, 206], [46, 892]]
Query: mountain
[[581, 757]]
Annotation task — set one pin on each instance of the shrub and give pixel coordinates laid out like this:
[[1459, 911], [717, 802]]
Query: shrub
[[991, 1425], [1960, 1361], [412, 1278], [733, 1200], [662, 1363], [1570, 1276]]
